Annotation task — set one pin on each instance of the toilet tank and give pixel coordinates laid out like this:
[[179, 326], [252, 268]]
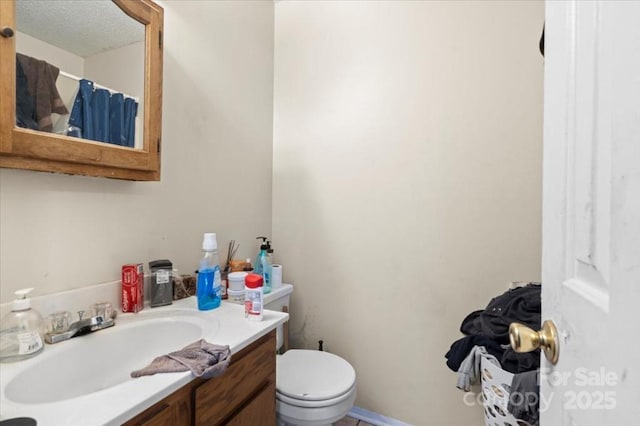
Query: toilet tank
[[277, 300]]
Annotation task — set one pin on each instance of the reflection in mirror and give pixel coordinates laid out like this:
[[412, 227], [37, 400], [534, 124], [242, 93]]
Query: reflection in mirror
[[78, 39]]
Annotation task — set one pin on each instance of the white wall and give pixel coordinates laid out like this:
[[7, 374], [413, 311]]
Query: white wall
[[406, 182], [60, 232]]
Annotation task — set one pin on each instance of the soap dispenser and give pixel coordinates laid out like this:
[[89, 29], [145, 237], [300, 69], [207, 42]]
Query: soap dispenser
[[263, 264], [21, 330], [268, 280]]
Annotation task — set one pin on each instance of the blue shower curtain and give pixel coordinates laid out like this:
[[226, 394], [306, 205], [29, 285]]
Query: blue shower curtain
[[130, 112], [102, 116], [116, 119]]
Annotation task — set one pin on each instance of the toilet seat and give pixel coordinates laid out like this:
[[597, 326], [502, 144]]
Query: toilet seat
[[307, 378], [303, 403]]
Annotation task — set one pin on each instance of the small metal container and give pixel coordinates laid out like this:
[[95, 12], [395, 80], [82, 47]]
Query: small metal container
[[161, 282]]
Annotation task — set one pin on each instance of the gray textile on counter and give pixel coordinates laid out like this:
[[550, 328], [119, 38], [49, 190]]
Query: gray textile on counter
[[469, 371], [204, 359]]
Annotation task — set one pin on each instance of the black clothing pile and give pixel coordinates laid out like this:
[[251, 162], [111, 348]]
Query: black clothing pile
[[489, 329], [520, 304]]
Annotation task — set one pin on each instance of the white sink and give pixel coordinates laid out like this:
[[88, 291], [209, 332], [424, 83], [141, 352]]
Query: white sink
[[85, 380], [103, 359]]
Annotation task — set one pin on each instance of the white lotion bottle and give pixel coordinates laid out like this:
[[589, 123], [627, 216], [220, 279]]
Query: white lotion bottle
[[253, 297], [21, 332]]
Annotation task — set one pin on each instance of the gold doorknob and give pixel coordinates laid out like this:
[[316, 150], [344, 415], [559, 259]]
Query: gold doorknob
[[524, 339]]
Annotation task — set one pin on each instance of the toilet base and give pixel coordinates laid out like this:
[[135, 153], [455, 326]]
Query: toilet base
[[290, 415], [282, 423]]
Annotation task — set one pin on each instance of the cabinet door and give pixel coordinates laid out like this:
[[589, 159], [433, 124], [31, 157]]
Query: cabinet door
[[260, 411], [253, 369], [174, 410], [162, 417]]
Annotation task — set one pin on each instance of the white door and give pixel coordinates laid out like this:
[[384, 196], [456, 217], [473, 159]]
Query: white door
[[591, 212]]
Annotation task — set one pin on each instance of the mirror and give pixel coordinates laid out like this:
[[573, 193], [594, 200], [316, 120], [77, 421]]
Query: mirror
[[116, 46], [94, 40]]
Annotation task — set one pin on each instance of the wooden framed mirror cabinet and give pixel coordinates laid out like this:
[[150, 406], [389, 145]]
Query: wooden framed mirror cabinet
[[56, 151]]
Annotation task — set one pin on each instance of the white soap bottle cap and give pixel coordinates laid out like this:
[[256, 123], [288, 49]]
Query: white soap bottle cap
[[22, 303]]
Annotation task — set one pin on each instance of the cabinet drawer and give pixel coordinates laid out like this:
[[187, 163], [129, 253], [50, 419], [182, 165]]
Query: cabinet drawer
[[250, 371]]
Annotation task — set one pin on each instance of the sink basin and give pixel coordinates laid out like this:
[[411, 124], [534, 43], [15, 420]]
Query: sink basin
[[105, 358]]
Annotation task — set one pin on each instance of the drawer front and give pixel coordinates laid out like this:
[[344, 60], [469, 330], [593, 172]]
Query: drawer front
[[217, 399]]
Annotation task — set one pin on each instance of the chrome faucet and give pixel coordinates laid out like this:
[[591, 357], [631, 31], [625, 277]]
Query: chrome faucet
[[80, 328]]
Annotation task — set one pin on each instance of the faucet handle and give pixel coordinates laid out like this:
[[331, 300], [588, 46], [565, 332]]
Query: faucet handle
[[80, 314], [58, 322], [102, 309]]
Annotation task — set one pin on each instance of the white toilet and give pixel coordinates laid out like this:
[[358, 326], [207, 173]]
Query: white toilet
[[313, 388]]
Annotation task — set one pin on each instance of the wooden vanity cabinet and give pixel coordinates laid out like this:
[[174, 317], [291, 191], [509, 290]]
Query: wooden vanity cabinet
[[244, 395]]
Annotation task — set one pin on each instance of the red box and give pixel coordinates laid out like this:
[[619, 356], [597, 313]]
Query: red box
[[132, 287]]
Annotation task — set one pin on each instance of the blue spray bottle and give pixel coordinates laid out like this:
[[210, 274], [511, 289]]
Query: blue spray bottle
[[262, 265]]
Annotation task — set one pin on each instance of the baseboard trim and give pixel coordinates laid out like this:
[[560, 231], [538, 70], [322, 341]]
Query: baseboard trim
[[374, 418]]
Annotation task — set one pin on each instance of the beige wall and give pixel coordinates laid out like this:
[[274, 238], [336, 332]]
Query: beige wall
[[406, 182], [61, 232]]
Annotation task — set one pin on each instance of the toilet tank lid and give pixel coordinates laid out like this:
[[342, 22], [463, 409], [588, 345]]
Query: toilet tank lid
[[313, 375], [278, 293]]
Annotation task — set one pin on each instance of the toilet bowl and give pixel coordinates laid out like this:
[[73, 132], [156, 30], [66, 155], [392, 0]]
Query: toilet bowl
[[313, 388]]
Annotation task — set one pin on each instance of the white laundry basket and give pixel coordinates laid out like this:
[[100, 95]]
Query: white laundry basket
[[496, 388]]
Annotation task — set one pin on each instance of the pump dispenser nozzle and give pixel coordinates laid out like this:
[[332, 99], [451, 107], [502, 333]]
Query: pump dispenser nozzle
[[265, 243], [21, 302], [22, 294]]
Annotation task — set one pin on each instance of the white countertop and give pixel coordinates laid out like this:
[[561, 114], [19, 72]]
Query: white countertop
[[119, 403]]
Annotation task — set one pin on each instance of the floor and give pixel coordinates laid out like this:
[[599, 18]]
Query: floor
[[350, 421]]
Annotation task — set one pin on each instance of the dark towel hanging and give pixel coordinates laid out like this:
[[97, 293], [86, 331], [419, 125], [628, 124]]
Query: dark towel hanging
[[41, 84], [25, 103]]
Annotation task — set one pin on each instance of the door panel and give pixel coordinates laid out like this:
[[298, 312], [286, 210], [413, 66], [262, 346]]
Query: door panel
[[591, 212]]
